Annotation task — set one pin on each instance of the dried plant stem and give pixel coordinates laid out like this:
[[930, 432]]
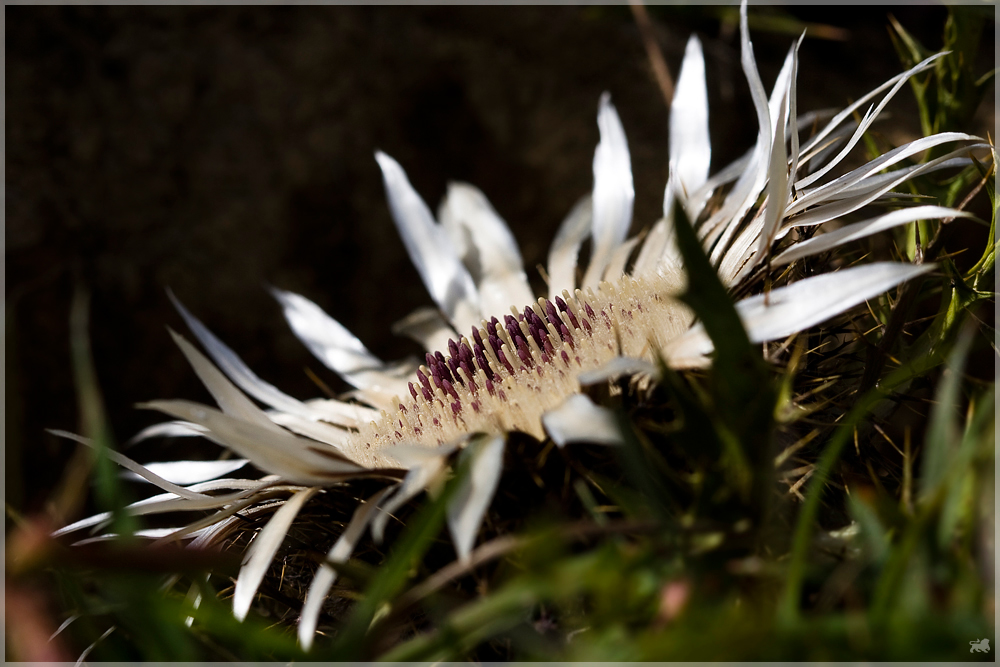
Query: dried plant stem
[[656, 60]]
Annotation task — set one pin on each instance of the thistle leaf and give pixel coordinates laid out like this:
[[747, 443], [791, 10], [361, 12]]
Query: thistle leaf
[[942, 438]]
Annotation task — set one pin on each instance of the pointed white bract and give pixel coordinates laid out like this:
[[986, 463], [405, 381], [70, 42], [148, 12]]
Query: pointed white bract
[[578, 419], [690, 146], [566, 247], [317, 430], [778, 192], [341, 413], [808, 302], [237, 370], [431, 251], [326, 576], [487, 247], [229, 398], [176, 429], [425, 326], [843, 206], [171, 502], [619, 260], [421, 474], [613, 191], [138, 469], [799, 305], [860, 230], [758, 171], [190, 472], [751, 180], [870, 170], [468, 506], [262, 550], [618, 367], [654, 249], [335, 346], [866, 123], [279, 452]]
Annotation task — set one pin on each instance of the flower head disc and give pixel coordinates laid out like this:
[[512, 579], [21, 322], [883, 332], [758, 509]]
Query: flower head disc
[[506, 374]]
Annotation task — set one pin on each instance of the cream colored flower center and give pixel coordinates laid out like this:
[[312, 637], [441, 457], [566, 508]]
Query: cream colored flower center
[[513, 371]]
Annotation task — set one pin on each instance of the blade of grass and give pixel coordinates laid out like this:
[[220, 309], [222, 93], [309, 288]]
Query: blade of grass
[[742, 391], [109, 492], [942, 430]]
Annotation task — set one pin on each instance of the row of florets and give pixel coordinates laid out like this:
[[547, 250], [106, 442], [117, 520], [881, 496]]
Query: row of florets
[[537, 325]]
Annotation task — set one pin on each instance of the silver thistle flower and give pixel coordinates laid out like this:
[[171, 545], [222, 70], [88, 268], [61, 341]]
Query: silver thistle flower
[[523, 370]]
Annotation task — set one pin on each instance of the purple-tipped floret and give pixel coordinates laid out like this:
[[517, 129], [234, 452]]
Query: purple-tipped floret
[[503, 360], [495, 344], [550, 312], [423, 379], [565, 334], [481, 361], [511, 326], [563, 307]]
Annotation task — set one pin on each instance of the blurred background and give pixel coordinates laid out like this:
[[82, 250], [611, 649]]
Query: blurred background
[[215, 151]]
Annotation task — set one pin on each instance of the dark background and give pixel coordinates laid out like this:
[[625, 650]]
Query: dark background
[[216, 150]]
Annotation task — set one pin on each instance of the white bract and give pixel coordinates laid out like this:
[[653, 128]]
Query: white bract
[[524, 371]]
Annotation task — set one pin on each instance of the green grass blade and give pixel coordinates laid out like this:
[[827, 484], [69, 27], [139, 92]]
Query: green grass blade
[[109, 491]]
